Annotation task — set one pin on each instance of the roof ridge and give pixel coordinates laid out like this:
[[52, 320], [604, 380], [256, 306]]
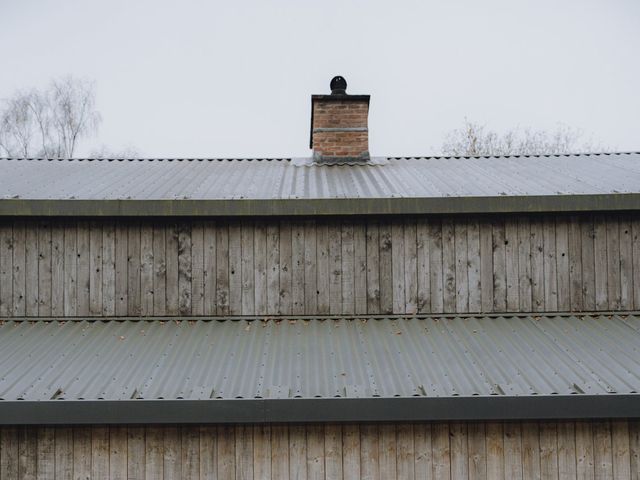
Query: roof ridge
[[537, 155]]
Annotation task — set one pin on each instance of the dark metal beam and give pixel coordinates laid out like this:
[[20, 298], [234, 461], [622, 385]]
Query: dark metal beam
[[324, 207], [57, 412]]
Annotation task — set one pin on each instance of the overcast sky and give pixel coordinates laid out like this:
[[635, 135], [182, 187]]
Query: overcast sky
[[233, 78]]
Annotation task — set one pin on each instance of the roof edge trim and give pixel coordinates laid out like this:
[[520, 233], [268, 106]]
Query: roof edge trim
[[321, 207], [58, 412]]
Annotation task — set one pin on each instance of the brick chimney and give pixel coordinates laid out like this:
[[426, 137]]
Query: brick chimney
[[339, 128]]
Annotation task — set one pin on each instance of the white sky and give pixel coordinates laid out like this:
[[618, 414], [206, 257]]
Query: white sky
[[233, 78]]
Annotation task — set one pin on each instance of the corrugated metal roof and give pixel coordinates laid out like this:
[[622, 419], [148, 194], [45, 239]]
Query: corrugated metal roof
[[269, 179], [331, 358]]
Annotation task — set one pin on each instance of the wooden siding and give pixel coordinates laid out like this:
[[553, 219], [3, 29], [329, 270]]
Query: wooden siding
[[452, 451], [319, 266]]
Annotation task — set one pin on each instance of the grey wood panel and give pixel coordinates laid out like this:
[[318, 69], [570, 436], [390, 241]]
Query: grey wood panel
[[315, 267]]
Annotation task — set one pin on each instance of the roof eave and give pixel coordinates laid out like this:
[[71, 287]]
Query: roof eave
[[59, 412], [321, 207]]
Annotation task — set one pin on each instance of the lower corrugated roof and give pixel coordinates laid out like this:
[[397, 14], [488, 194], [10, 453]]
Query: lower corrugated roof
[[332, 358]]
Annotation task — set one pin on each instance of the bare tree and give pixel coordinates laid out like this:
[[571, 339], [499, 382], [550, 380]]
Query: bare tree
[[50, 122], [105, 152], [474, 139]]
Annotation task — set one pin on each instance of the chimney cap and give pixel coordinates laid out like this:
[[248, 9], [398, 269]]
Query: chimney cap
[[338, 85]]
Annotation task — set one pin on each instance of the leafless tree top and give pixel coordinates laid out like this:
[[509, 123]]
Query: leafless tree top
[[48, 123]]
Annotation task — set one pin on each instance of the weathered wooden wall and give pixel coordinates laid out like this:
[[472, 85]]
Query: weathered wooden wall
[[203, 267], [551, 450]]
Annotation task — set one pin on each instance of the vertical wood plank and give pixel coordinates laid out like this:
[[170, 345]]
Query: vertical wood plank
[[548, 450], [458, 439], [9, 452], [620, 449], [260, 267], [634, 447], [280, 451], [154, 449], [46, 454], [83, 268], [386, 268], [449, 265], [562, 256], [537, 265], [19, 268], [348, 269], [146, 269], [64, 453], [222, 268], [524, 264], [373, 267], [441, 451], [486, 265], [208, 459], [512, 263], [31, 270], [626, 264], [423, 451], [322, 272], [405, 451], [499, 267], [495, 450], [273, 270], [244, 452], [297, 263], [197, 268], [602, 448], [360, 279], [248, 269], [600, 257], [44, 269], [118, 453], [226, 454], [121, 239], [315, 452], [477, 451], [435, 266], [95, 268], [587, 241], [172, 452], [297, 452], [410, 267], [369, 452], [513, 450], [397, 265], [185, 268], [550, 266], [351, 451], [190, 460], [613, 263], [310, 268], [136, 452], [575, 264], [584, 451], [27, 454], [209, 269], [108, 269], [474, 267], [388, 451], [171, 266], [159, 270], [286, 268], [57, 270], [235, 268], [635, 234], [333, 454], [70, 269], [6, 267], [530, 451], [134, 297], [262, 451], [423, 272], [462, 266], [335, 268], [100, 451], [566, 451]]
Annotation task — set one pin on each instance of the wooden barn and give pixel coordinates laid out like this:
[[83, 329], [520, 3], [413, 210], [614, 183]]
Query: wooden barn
[[336, 316]]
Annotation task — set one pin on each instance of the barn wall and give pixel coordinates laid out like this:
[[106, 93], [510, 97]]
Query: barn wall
[[147, 267], [552, 450]]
